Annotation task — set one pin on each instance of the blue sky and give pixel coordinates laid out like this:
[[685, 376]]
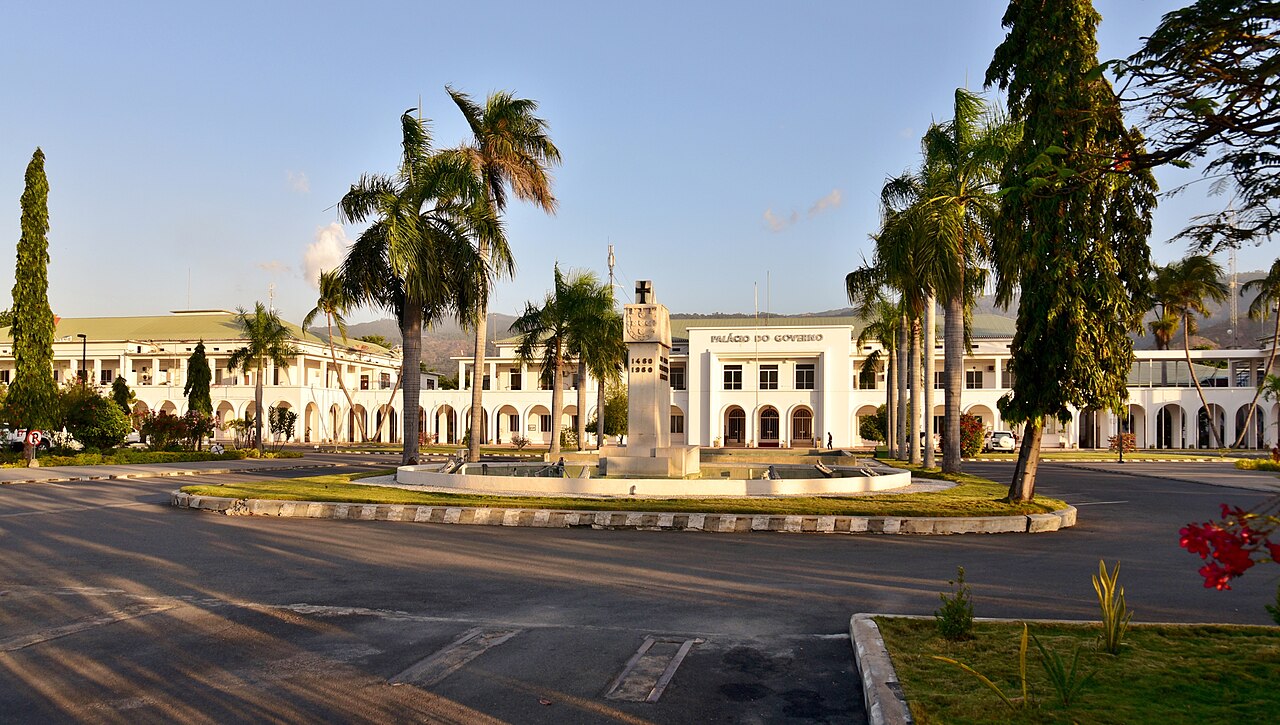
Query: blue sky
[[716, 145]]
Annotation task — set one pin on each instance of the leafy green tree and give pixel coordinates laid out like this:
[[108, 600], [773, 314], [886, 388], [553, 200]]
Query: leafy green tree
[[509, 150], [963, 158], [6, 318], [1181, 287], [615, 410], [1073, 224], [1206, 81], [883, 326], [199, 377], [122, 395], [282, 422], [32, 399], [595, 340], [416, 257], [1264, 303], [333, 304], [267, 339], [379, 340], [873, 427], [547, 334], [93, 420]]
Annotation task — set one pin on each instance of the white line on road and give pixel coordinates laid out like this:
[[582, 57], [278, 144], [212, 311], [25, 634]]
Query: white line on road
[[14, 644], [472, 644], [650, 669]]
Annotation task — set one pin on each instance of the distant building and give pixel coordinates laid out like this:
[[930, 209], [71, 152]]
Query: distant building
[[735, 383]]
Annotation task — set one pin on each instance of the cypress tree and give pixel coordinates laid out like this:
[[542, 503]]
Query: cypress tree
[[198, 379], [32, 399], [1073, 224]]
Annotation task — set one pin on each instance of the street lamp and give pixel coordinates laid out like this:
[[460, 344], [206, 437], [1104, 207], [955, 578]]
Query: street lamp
[[84, 347]]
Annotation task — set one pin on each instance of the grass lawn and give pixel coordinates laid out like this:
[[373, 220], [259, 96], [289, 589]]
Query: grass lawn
[[972, 497], [1164, 674], [1107, 456]]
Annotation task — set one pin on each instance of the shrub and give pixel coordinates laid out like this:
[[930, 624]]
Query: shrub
[[198, 427], [162, 431], [872, 427], [955, 617], [95, 421], [1257, 464], [568, 439], [972, 433], [281, 422], [1128, 440], [519, 441], [1115, 615]]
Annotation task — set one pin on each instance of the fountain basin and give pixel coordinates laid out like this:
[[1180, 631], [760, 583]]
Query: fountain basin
[[504, 478]]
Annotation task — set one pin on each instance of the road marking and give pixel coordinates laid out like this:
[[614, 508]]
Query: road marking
[[132, 611], [650, 669], [1097, 503], [73, 509], [472, 644]]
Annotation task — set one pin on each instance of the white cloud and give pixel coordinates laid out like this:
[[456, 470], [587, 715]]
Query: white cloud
[[325, 253], [298, 181], [906, 132], [830, 201], [274, 266], [777, 223]]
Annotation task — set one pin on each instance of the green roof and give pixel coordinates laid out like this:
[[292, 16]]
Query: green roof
[[985, 326], [179, 327]]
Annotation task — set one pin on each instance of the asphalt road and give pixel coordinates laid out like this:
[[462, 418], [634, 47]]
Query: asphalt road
[[115, 607]]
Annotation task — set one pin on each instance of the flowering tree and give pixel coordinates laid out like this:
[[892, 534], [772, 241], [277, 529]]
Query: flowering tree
[[1233, 544]]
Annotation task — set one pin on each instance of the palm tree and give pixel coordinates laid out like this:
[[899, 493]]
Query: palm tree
[[963, 158], [1268, 298], [509, 149], [1182, 287], [267, 340], [595, 340], [333, 303], [883, 326], [417, 257], [547, 335]]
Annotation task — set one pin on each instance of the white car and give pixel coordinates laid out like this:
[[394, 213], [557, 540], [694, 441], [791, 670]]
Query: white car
[[1001, 441]]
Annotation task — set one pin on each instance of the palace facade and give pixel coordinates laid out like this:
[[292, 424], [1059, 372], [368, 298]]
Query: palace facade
[[736, 382]]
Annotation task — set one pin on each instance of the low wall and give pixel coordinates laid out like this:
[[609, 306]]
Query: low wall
[[430, 475]]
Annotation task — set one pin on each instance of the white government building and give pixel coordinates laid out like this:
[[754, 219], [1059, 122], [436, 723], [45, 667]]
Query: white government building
[[736, 382]]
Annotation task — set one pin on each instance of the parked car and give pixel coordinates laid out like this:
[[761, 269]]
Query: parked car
[[1001, 441], [15, 438]]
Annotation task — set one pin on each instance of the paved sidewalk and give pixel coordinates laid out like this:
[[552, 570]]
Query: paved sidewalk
[[1214, 474], [57, 474]]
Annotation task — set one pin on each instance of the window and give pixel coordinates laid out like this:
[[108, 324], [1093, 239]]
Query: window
[[275, 375], [106, 377], [514, 424], [56, 377], [768, 377], [4, 377], [733, 377], [973, 379], [484, 383], [805, 376], [517, 380], [544, 423], [939, 379], [384, 381], [677, 423], [364, 382], [677, 378], [429, 384]]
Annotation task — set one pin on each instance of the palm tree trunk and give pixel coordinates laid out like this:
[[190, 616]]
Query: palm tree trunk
[[582, 405], [599, 414], [952, 381], [890, 403], [477, 367], [917, 395], [901, 354], [557, 403], [411, 377], [1253, 406], [257, 405], [929, 364], [1023, 486], [351, 404], [1186, 348]]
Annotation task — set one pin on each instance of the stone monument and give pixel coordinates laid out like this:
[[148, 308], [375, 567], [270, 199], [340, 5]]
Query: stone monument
[[647, 333]]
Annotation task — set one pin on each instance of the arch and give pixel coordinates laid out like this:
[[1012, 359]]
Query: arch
[[985, 414], [802, 432], [385, 431], [1092, 428], [335, 423], [1204, 438], [168, 407], [484, 423], [222, 414], [569, 418], [357, 417], [310, 422], [769, 424], [445, 425], [1171, 427], [1255, 436], [856, 424], [508, 424], [538, 424], [140, 408], [735, 427], [250, 409], [679, 434], [1135, 422]]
